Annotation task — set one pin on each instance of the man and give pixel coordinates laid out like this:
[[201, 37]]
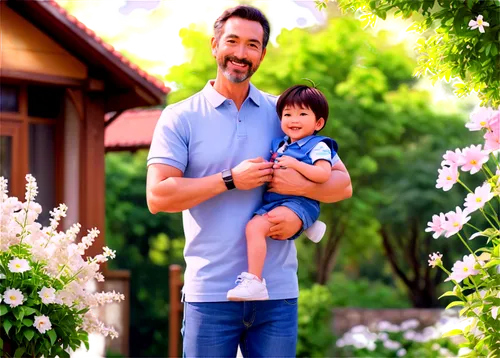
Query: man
[[206, 160]]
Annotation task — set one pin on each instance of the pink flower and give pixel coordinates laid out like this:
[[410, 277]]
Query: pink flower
[[476, 200], [452, 158], [435, 259], [436, 225], [448, 176], [464, 269], [473, 159], [492, 142], [455, 221], [480, 119], [478, 23]]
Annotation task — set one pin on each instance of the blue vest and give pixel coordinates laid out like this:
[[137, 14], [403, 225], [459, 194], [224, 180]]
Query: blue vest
[[299, 150]]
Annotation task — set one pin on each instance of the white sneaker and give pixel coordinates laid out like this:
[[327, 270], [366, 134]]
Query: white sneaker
[[316, 231], [248, 288]]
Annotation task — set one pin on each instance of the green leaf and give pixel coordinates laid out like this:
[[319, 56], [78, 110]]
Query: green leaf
[[455, 303], [1, 343], [453, 332], [28, 311], [470, 3], [3, 310], [488, 48], [52, 335], [29, 334], [18, 313], [492, 263], [7, 325], [448, 293], [494, 50], [28, 322], [19, 352]]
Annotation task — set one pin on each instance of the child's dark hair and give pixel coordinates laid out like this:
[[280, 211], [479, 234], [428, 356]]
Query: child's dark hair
[[304, 97]]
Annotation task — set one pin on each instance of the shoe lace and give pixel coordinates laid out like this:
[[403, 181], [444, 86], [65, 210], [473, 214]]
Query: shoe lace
[[242, 281]]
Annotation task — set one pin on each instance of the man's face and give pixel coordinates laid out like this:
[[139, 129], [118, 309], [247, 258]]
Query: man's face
[[239, 50]]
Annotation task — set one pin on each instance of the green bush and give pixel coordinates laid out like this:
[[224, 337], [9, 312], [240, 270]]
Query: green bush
[[315, 337], [360, 292]]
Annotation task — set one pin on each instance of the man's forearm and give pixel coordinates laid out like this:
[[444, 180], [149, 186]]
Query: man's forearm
[[176, 194], [337, 188]]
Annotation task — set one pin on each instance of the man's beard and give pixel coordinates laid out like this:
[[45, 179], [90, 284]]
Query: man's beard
[[233, 76]]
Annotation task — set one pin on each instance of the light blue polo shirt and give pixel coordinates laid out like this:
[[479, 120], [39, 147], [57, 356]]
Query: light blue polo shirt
[[204, 135]]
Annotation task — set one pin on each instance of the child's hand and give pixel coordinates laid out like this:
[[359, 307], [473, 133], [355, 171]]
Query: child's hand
[[286, 162]]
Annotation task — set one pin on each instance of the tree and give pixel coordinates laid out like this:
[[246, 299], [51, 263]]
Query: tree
[[465, 44]]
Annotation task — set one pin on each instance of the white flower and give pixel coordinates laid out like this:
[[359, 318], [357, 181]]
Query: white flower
[[48, 295], [494, 312], [476, 200], [435, 259], [392, 345], [19, 265], [409, 335], [42, 323], [412, 323], [401, 352], [479, 23], [463, 269], [383, 336], [448, 176], [13, 297]]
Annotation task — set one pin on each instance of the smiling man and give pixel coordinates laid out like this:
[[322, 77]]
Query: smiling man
[[207, 160]]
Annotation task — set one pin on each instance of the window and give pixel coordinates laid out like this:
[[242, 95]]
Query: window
[[30, 127], [6, 158], [9, 98]]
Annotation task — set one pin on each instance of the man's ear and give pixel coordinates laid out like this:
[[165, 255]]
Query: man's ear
[[263, 54], [320, 123], [213, 44]]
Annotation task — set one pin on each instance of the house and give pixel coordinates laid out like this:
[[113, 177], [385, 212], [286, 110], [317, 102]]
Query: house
[[58, 80]]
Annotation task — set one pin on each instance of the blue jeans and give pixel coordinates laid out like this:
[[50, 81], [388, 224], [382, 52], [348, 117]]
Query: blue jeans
[[261, 328]]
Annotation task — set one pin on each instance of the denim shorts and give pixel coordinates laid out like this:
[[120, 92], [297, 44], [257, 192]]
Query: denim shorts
[[307, 210]]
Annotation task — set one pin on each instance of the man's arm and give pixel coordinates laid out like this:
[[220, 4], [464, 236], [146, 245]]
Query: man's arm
[[167, 191], [290, 182]]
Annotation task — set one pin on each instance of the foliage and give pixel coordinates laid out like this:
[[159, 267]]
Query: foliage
[[315, 337], [477, 276], [364, 293], [44, 281], [147, 245], [458, 48], [408, 339]]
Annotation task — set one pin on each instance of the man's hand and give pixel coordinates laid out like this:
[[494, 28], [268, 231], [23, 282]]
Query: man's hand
[[285, 223], [288, 182], [252, 173], [286, 162]]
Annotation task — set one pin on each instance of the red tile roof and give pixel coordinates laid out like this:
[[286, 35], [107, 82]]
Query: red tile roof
[[132, 130], [153, 80]]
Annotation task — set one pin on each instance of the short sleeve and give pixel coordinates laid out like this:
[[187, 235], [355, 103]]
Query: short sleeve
[[170, 142], [321, 151]]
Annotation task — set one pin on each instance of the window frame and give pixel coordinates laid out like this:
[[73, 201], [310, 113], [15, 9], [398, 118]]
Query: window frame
[[16, 125]]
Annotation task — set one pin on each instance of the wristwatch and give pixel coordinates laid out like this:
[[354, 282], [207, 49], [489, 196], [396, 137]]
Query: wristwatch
[[228, 179]]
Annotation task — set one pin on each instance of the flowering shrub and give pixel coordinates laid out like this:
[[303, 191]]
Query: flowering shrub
[[45, 284], [385, 339], [476, 277]]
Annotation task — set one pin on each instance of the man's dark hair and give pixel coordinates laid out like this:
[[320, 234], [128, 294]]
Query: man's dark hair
[[303, 96], [243, 12]]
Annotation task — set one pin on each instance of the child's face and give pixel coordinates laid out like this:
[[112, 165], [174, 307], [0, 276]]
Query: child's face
[[298, 123]]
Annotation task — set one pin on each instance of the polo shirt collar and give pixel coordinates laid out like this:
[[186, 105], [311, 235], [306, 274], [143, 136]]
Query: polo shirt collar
[[216, 99]]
